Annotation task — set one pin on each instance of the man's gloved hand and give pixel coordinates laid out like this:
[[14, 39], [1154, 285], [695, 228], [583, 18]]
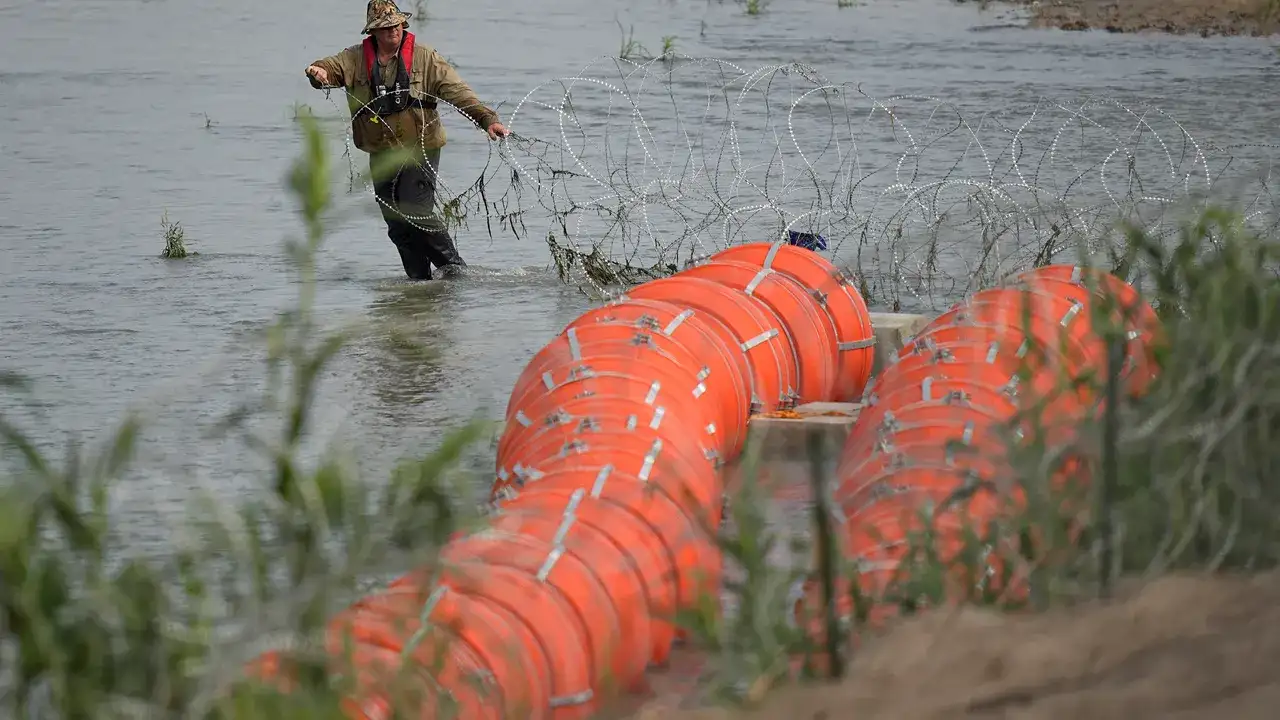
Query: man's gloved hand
[[497, 130], [317, 73]]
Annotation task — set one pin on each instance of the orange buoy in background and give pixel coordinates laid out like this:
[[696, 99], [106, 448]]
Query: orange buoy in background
[[706, 337], [835, 292], [1144, 329], [757, 330], [806, 324], [584, 416]]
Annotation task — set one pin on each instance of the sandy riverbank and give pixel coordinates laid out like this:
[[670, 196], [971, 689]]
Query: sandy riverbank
[[1200, 17], [1182, 647]]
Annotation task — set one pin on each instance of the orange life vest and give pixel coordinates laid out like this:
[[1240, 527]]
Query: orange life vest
[[397, 98]]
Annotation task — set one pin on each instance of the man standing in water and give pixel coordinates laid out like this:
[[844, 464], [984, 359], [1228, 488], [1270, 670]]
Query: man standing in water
[[392, 84]]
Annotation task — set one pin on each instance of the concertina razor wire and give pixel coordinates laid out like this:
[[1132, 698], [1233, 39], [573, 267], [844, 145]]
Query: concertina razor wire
[[632, 170]]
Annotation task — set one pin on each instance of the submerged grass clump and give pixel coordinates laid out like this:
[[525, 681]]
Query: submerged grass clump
[[175, 239]]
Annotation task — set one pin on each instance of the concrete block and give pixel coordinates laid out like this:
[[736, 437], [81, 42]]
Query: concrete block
[[785, 436], [892, 332]]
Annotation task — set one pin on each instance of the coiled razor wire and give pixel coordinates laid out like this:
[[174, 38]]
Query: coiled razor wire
[[632, 170]]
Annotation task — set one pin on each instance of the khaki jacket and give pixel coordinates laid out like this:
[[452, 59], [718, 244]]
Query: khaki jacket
[[413, 129]]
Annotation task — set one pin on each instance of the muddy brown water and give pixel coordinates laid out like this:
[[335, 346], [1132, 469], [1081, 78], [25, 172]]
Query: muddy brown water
[[115, 112]]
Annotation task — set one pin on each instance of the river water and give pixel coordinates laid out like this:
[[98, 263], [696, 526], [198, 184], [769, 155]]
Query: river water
[[118, 111]]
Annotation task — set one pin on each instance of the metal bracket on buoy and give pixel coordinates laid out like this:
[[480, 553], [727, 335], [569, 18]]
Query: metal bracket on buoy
[[650, 459], [857, 344], [676, 321], [576, 699], [601, 477]]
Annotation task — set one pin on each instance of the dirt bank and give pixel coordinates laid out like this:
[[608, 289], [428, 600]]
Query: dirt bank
[[1182, 647], [1201, 17]]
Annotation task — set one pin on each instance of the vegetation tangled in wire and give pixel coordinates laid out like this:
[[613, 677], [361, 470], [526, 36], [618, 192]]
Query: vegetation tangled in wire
[[632, 169]]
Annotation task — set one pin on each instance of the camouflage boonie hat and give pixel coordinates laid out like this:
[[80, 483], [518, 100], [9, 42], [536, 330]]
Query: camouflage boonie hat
[[383, 14]]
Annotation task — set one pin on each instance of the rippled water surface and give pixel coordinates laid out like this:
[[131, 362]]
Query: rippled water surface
[[116, 112]]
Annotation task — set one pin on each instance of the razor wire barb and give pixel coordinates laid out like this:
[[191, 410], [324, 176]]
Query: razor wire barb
[[632, 170]]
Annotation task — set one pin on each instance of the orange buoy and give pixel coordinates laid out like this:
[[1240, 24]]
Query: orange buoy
[[615, 377], [573, 345], [988, 353], [696, 330], [1144, 327], [911, 496], [688, 541], [550, 521], [581, 343], [1055, 392], [1050, 321], [696, 475], [807, 325], [384, 685], [882, 533], [835, 290], [422, 626], [678, 388], [545, 613], [935, 339], [566, 357], [1139, 360], [960, 390], [637, 541], [694, 486], [612, 659], [997, 375], [938, 423], [756, 329], [601, 414], [980, 456]]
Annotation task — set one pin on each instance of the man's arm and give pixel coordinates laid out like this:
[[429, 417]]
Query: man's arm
[[451, 88], [339, 70]]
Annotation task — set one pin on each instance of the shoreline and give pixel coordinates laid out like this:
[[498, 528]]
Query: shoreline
[[1207, 18]]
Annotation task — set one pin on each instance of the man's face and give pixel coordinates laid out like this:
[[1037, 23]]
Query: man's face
[[389, 37]]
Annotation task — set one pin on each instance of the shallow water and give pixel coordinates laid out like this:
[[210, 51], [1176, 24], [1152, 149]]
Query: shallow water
[[116, 112]]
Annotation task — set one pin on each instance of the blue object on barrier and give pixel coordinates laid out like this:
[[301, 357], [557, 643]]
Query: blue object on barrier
[[808, 241]]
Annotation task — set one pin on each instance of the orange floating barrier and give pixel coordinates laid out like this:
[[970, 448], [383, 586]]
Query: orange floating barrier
[[629, 649], [756, 329], [382, 685], [550, 368], [932, 422], [406, 620], [835, 291], [1133, 317], [692, 551], [1144, 327], [545, 613], [563, 422], [642, 551], [706, 337], [568, 575], [694, 487], [810, 329]]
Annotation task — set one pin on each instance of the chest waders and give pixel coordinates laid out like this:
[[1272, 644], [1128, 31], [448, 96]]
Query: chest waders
[[407, 198]]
